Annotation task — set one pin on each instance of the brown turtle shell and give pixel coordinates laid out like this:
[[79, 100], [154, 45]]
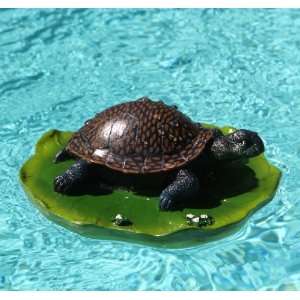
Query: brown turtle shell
[[141, 136]]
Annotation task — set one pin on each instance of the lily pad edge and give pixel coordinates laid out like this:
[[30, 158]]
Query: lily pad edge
[[179, 238]]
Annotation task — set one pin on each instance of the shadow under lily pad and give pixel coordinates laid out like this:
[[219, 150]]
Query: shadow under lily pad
[[230, 195]]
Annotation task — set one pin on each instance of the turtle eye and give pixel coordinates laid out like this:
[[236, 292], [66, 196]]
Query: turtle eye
[[175, 106]]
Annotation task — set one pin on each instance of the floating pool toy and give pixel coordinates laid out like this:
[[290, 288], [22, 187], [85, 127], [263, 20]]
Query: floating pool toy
[[124, 185], [148, 141]]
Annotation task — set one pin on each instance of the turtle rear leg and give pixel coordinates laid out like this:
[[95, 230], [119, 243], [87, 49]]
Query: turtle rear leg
[[180, 191], [62, 155], [70, 181]]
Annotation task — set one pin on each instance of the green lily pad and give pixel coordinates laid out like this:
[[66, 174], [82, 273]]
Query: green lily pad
[[91, 215]]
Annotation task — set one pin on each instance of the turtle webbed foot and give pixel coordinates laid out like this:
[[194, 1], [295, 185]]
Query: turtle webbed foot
[[70, 181], [167, 203], [63, 184], [176, 195]]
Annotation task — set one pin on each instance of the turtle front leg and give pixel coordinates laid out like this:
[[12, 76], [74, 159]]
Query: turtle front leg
[[70, 181], [182, 189]]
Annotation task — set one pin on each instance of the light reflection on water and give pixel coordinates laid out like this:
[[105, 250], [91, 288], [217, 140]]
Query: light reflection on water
[[237, 67]]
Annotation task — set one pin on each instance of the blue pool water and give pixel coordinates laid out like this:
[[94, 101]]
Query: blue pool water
[[238, 67]]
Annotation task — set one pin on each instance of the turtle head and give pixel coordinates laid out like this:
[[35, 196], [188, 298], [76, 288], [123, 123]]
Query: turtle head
[[239, 145]]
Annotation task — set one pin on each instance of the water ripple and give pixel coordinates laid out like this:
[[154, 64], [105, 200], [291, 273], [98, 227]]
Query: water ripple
[[60, 67]]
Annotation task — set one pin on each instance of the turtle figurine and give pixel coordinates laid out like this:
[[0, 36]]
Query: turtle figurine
[[143, 138]]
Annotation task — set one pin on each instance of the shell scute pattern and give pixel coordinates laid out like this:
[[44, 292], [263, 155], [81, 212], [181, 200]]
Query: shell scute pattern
[[141, 136]]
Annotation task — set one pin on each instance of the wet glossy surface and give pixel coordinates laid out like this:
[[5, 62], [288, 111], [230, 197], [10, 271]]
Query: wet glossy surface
[[238, 67]]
